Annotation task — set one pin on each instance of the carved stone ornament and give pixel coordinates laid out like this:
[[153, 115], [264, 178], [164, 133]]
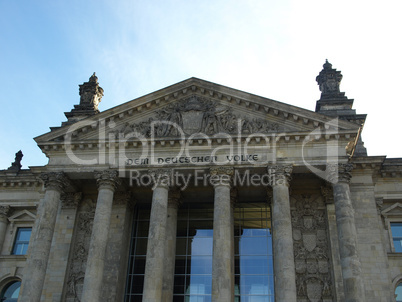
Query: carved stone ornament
[[79, 255], [379, 202], [70, 200], [192, 115], [280, 174], [91, 94], [55, 181], [314, 289], [16, 165], [311, 248], [329, 81], [339, 173], [4, 210], [107, 178], [328, 194]]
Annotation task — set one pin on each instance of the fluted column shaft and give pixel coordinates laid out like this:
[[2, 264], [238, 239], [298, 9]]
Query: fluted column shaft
[[284, 266], [107, 181], [154, 265], [170, 246], [35, 269], [223, 239], [340, 176], [4, 210]]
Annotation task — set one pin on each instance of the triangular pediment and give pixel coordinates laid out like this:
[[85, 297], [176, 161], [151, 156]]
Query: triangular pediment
[[394, 210], [22, 216], [193, 107]]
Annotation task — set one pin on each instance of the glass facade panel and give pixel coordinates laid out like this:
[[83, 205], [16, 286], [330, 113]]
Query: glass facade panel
[[254, 280], [138, 250], [196, 230], [254, 277]]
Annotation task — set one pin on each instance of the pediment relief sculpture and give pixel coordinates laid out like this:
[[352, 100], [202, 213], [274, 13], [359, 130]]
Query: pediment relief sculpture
[[196, 115]]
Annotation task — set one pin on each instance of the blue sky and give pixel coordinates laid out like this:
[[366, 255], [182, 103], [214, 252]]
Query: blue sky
[[270, 48]]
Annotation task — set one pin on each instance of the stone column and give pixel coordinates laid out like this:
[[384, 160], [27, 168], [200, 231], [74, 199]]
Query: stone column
[[284, 266], [4, 210], [35, 269], [61, 245], [223, 240], [170, 246], [154, 265], [339, 176], [107, 181]]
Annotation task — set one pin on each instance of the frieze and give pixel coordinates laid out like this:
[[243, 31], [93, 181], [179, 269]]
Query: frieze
[[313, 277], [193, 115]]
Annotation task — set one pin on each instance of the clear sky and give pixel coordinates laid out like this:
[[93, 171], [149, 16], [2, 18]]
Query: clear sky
[[270, 48]]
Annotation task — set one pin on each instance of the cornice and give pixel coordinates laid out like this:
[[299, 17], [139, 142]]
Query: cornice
[[263, 139], [19, 181]]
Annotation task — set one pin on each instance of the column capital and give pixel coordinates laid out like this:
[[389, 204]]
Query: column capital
[[70, 200], [340, 172], [55, 181], [280, 174], [160, 177], [221, 175], [4, 211], [107, 179]]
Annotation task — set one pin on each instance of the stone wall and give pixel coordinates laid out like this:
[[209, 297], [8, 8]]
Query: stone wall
[[372, 253]]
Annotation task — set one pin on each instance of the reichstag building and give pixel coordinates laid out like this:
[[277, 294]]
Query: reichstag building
[[199, 192]]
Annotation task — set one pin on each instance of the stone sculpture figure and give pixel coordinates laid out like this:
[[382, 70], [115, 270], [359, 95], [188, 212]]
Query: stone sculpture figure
[[16, 165]]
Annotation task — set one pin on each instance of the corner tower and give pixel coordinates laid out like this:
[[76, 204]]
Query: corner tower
[[334, 103], [90, 97]]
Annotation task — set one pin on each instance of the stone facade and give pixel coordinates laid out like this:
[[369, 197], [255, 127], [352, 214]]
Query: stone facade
[[333, 210]]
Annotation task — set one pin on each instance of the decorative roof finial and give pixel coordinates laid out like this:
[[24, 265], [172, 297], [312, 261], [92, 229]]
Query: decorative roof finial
[[327, 65], [90, 97], [91, 94], [329, 81], [93, 78]]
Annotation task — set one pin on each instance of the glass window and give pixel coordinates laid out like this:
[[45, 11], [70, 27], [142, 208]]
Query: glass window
[[254, 276], [193, 273], [10, 292], [398, 293], [254, 281], [138, 250], [396, 230], [22, 241]]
